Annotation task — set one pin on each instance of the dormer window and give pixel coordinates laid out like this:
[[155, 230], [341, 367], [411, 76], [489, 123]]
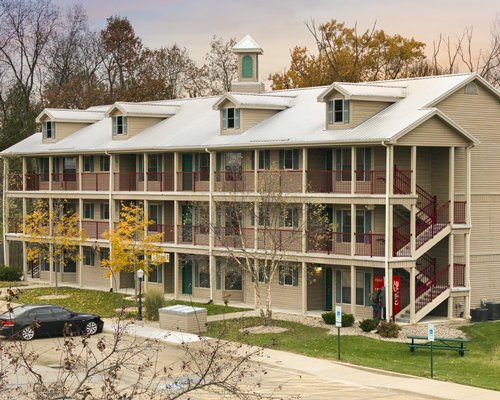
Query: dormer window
[[49, 130], [230, 118], [119, 125], [338, 111]]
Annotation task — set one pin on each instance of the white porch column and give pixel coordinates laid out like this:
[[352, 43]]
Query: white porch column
[[176, 275], [51, 262], [79, 170], [353, 290], [24, 171], [176, 169], [304, 170], [176, 221], [4, 210], [388, 297], [145, 171], [413, 161], [304, 228], [353, 230], [255, 171], [451, 184], [353, 170], [256, 225], [413, 273], [146, 217], [467, 275], [111, 205], [468, 185], [211, 226], [391, 170], [25, 261], [304, 288], [413, 229], [80, 265]]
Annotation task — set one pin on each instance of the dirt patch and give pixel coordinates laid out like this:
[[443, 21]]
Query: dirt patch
[[54, 297], [263, 329]]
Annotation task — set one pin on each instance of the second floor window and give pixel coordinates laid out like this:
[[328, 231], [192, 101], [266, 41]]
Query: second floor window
[[88, 257], [119, 125], [154, 167], [88, 210], [264, 159], [104, 163], [338, 111], [289, 159], [88, 164], [49, 130], [290, 217], [230, 118], [104, 210], [69, 168]]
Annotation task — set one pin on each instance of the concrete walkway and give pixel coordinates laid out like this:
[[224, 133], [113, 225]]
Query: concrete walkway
[[332, 371]]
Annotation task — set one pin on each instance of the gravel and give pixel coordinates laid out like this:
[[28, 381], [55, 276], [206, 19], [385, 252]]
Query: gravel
[[447, 329]]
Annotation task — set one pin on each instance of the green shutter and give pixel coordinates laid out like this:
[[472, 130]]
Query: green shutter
[[236, 118], [330, 111], [124, 125], [282, 159], [338, 287], [338, 159], [247, 67], [114, 125], [218, 280], [281, 277], [196, 275], [295, 276], [224, 118], [368, 221], [346, 110], [295, 158], [368, 289], [218, 161], [267, 162], [140, 163]]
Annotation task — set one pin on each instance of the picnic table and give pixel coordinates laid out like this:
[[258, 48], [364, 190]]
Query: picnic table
[[422, 342]]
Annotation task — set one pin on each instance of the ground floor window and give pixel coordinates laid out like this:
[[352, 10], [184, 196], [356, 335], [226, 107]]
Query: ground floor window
[[343, 287], [201, 275], [70, 266], [88, 257], [363, 288], [233, 278], [288, 275], [156, 274], [44, 265]]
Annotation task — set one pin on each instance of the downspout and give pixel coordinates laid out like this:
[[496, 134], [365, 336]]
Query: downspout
[[4, 208], [387, 230], [211, 267], [111, 209]]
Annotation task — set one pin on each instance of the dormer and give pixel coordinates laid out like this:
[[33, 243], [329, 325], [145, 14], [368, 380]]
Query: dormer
[[240, 112], [60, 123], [348, 105], [128, 119], [248, 52]]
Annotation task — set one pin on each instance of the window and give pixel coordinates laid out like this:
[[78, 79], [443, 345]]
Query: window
[[343, 225], [69, 168], [288, 275], [88, 164], [230, 118], [247, 67], [363, 164], [49, 130], [263, 273], [44, 265], [290, 218], [61, 313], [289, 159], [233, 278], [119, 125], [44, 169], [104, 210], [156, 274], [203, 166], [201, 275], [233, 219], [338, 111], [233, 162], [89, 257], [155, 215], [55, 169], [140, 167], [264, 216], [343, 164], [88, 210], [264, 159], [363, 226], [154, 167], [471, 88], [343, 287], [104, 255], [104, 163], [363, 288], [70, 266]]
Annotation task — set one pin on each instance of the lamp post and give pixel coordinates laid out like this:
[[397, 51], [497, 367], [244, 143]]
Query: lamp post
[[140, 275]]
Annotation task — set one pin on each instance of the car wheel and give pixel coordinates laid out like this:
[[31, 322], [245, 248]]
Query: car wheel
[[91, 328], [27, 333]]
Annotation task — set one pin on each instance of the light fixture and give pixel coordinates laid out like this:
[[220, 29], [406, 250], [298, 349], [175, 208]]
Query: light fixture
[[370, 207], [318, 269]]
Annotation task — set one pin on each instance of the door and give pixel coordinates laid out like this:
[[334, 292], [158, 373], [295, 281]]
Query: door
[[187, 172], [187, 278], [328, 289]]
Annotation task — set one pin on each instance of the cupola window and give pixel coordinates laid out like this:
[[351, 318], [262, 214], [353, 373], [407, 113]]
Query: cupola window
[[247, 67]]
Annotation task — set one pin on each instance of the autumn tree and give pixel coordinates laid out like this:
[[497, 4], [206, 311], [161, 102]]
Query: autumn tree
[[346, 55], [221, 65], [132, 247], [53, 234]]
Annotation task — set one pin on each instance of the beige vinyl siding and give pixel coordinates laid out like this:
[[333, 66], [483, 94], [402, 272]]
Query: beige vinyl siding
[[316, 289], [248, 119], [402, 157], [378, 222], [440, 174], [360, 111], [138, 124], [363, 312], [480, 115], [64, 129], [94, 276], [433, 132], [379, 158]]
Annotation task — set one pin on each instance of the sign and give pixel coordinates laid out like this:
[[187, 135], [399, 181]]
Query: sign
[[338, 316], [378, 282], [430, 332], [158, 258], [396, 294]]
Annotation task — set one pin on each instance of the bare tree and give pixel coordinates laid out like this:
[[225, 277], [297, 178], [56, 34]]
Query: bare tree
[[221, 64]]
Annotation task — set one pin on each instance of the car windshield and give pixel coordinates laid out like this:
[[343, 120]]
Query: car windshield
[[16, 312]]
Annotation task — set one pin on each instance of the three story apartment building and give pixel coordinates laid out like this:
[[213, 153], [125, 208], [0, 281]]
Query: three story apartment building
[[405, 170]]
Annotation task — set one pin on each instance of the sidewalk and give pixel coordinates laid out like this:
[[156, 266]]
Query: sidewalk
[[334, 371]]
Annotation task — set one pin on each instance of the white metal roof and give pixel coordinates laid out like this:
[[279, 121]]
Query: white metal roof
[[366, 91], [144, 109], [258, 101], [70, 115], [197, 126], [247, 45]]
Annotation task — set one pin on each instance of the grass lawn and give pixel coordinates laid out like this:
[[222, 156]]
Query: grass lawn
[[480, 366], [212, 309], [80, 300], [7, 284]]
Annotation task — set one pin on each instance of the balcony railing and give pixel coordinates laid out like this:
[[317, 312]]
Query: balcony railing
[[166, 230], [229, 181], [459, 212], [15, 225], [458, 275], [370, 182], [129, 181], [62, 181], [193, 234], [94, 229], [286, 181], [15, 181], [237, 238], [370, 244], [328, 181], [35, 181], [329, 243], [160, 181], [95, 181], [198, 181]]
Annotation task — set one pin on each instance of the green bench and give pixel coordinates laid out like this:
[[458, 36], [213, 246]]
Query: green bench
[[456, 344]]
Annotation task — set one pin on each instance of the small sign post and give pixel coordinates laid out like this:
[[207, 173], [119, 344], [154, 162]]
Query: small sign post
[[430, 338], [338, 324]]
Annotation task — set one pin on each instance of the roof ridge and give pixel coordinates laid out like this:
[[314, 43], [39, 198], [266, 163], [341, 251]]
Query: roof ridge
[[416, 78], [70, 109], [266, 94]]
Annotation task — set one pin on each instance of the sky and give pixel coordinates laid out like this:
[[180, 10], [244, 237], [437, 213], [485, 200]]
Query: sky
[[278, 25]]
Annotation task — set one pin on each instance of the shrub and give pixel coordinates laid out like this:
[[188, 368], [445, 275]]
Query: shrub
[[388, 329], [10, 274], [329, 318], [153, 300], [368, 325]]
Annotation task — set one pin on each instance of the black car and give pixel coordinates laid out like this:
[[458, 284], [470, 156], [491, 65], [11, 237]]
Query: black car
[[32, 320]]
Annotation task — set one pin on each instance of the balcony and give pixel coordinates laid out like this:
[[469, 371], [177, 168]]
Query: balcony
[[192, 234], [95, 181], [167, 232], [36, 181], [160, 181], [14, 225], [329, 181], [241, 181], [94, 229], [285, 181], [129, 181], [198, 181], [329, 242], [15, 181], [61, 181], [370, 244]]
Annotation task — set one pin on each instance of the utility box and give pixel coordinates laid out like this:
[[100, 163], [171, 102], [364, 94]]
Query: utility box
[[183, 318]]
